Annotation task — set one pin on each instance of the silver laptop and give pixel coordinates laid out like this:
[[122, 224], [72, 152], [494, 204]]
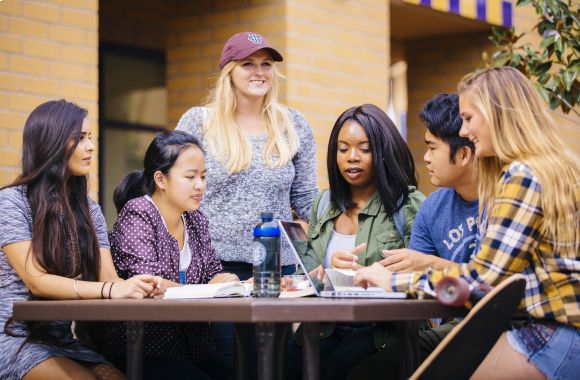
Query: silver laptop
[[333, 283]]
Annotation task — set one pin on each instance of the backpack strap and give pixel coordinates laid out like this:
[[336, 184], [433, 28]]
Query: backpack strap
[[399, 219], [323, 204]]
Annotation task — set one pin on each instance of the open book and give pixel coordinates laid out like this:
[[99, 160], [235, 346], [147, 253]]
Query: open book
[[220, 290]]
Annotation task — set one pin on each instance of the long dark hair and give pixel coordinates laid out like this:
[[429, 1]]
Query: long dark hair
[[160, 156], [64, 240], [393, 165]]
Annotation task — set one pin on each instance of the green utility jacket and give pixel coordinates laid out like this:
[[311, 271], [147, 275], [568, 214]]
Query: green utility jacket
[[376, 228]]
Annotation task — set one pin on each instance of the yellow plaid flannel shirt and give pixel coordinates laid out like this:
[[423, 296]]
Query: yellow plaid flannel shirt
[[512, 243]]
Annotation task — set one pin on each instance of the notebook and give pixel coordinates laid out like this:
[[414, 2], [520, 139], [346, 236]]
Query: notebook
[[333, 283]]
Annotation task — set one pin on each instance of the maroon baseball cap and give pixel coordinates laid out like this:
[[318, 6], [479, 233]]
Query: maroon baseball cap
[[243, 44]]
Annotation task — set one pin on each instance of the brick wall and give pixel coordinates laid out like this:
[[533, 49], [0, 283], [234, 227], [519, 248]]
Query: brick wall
[[48, 50], [337, 57]]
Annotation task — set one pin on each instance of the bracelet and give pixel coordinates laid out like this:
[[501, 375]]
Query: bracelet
[[76, 290], [103, 288], [111, 287]]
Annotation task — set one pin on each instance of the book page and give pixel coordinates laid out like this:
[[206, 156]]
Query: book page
[[223, 289]]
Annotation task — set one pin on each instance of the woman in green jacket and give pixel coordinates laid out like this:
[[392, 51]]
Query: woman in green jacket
[[370, 206]]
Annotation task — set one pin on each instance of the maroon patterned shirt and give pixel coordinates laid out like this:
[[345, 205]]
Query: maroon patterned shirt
[[141, 244]]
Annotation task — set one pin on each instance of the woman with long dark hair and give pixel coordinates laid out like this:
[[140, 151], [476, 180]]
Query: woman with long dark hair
[[160, 231], [370, 207], [54, 245]]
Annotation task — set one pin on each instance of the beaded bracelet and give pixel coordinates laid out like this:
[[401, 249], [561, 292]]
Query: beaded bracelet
[[76, 290], [103, 288]]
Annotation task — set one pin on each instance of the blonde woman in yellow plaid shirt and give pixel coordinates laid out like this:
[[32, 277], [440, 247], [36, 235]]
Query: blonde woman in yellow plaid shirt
[[530, 207]]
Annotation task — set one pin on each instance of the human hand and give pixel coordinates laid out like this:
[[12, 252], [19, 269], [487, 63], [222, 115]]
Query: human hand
[[408, 260], [374, 275], [317, 272], [223, 277], [347, 259], [140, 286]]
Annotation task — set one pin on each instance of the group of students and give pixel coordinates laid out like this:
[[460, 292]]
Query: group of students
[[509, 203]]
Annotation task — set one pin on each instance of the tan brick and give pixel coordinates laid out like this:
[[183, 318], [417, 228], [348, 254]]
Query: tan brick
[[40, 48], [28, 28], [25, 102], [9, 157], [185, 23], [88, 5], [9, 82], [4, 100], [40, 12], [11, 7], [194, 37], [10, 44], [84, 20], [9, 119], [91, 39], [14, 139], [3, 61], [92, 75], [79, 55], [66, 34], [79, 91], [3, 24], [27, 65], [257, 13], [41, 86], [211, 50], [219, 18], [7, 176], [67, 71]]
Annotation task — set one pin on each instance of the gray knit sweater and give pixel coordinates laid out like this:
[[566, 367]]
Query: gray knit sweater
[[233, 203]]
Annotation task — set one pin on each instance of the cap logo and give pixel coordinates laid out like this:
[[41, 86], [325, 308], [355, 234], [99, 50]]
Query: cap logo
[[254, 38]]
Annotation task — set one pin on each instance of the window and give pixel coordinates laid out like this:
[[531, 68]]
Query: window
[[132, 109]]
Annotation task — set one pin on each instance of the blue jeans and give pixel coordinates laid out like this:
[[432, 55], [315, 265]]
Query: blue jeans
[[553, 348], [224, 332]]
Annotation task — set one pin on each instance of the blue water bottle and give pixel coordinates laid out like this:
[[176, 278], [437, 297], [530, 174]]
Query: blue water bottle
[[266, 258]]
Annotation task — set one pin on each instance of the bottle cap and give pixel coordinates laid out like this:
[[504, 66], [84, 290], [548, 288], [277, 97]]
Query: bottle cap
[[267, 216]]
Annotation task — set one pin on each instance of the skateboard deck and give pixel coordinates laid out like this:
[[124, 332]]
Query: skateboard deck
[[465, 347]]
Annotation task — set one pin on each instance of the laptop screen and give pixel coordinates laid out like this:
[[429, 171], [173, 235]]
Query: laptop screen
[[304, 253]]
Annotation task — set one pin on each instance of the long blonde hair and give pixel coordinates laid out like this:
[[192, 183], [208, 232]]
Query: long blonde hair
[[521, 129], [228, 142]]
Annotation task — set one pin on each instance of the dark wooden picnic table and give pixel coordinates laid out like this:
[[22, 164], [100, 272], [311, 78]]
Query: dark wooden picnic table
[[271, 318]]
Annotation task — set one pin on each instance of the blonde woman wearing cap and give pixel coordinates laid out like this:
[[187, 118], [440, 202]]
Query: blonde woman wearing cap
[[260, 156]]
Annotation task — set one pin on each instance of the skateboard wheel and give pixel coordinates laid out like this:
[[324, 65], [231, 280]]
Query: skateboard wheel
[[452, 291]]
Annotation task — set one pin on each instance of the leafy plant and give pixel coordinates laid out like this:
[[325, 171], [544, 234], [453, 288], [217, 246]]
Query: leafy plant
[[554, 65]]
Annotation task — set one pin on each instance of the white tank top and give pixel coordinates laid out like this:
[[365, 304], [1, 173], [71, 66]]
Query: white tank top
[[338, 242], [185, 254]]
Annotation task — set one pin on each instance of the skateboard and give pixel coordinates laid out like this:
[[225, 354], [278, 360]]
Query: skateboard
[[465, 347], [456, 291]]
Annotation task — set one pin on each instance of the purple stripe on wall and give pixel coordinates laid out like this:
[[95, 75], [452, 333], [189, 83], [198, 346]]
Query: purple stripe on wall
[[426, 2], [454, 6], [507, 16], [480, 9]]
